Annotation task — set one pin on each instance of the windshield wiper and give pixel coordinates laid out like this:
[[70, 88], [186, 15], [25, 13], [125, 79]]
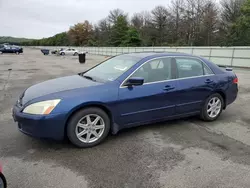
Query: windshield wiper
[[89, 78]]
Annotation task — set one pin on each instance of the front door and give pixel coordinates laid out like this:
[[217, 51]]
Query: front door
[[153, 100], [196, 82], [68, 52]]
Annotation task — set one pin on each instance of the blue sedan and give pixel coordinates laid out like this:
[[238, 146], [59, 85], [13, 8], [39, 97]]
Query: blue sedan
[[125, 91], [5, 48]]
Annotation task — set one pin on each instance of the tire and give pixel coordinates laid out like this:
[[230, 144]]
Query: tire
[[63, 54], [2, 178], [82, 116], [17, 53], [209, 113], [75, 54]]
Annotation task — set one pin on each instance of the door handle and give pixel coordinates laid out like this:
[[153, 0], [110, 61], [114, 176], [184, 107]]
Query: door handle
[[208, 81], [168, 88]]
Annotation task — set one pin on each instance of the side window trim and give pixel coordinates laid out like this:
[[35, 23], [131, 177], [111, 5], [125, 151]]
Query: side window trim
[[176, 72], [203, 68], [205, 65]]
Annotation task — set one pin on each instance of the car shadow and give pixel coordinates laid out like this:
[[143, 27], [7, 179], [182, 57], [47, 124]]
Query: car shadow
[[24, 142]]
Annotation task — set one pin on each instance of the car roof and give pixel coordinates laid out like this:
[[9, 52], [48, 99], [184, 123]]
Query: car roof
[[150, 55]]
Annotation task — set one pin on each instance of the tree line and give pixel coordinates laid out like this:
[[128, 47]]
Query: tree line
[[182, 23]]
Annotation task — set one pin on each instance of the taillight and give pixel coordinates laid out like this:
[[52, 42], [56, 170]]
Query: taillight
[[235, 80]]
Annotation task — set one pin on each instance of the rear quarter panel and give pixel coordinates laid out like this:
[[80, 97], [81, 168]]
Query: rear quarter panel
[[229, 88], [224, 81]]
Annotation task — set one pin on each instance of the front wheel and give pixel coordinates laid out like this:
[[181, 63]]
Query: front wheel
[[3, 183], [212, 107], [88, 127], [75, 54], [63, 54]]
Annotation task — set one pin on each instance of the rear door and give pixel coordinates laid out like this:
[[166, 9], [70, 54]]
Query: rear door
[[155, 99], [13, 49], [196, 82]]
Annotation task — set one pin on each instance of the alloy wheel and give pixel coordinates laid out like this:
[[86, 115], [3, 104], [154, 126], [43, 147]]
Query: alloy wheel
[[90, 128], [214, 107]]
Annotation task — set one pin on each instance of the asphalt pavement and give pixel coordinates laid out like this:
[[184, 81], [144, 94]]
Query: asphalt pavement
[[186, 153]]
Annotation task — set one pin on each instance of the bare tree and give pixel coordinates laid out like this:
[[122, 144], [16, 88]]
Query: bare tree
[[230, 12], [176, 8], [160, 19], [143, 23], [104, 29], [193, 11], [114, 14], [137, 21], [210, 23]]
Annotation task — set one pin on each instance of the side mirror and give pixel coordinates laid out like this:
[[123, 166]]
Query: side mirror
[[134, 81]]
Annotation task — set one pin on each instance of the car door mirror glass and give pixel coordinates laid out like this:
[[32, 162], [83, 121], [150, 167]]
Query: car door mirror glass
[[134, 81]]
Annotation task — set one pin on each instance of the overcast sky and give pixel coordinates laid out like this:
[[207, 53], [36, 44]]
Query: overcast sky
[[44, 18]]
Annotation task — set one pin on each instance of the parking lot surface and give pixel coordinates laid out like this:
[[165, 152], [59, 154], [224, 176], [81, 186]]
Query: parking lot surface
[[186, 153]]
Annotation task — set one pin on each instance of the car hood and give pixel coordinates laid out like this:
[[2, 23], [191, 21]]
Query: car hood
[[54, 86]]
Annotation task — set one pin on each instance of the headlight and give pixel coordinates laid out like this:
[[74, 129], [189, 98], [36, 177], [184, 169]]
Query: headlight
[[42, 108]]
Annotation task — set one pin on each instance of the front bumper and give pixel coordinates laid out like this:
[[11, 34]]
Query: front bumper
[[20, 50], [40, 126]]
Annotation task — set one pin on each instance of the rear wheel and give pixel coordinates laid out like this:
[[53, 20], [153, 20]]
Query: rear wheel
[[88, 127], [62, 53], [75, 54], [212, 107]]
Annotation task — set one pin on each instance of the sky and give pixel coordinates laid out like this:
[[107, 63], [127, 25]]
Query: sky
[[45, 18]]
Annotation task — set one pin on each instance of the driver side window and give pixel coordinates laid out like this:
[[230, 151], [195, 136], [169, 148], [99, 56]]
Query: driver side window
[[155, 70]]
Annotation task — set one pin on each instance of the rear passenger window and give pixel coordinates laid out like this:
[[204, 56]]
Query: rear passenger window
[[188, 67]]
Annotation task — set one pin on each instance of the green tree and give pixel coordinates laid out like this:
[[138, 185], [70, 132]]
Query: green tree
[[132, 38], [240, 33], [119, 31]]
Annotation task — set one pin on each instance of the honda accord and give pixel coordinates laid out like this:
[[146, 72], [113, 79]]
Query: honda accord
[[125, 91]]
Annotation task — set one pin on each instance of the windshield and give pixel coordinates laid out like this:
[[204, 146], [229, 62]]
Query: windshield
[[112, 68]]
